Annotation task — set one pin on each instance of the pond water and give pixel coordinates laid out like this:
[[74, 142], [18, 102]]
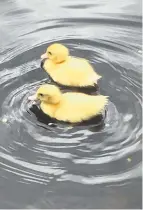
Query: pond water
[[60, 166]]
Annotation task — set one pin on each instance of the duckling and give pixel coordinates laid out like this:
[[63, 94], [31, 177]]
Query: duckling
[[66, 70], [73, 107]]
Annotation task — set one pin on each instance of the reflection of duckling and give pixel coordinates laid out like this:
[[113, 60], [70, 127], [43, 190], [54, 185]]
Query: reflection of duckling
[[66, 70], [69, 107]]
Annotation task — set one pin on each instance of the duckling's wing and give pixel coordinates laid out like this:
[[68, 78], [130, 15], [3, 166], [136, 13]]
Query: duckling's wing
[[81, 72], [77, 107]]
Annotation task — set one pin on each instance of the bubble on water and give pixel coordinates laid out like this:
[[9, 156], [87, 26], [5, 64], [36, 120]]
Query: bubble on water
[[129, 159], [4, 120]]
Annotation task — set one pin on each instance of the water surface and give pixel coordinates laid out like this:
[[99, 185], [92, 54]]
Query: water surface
[[58, 166]]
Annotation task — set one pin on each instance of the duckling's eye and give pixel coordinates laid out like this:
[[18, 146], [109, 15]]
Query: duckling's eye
[[40, 94], [50, 53]]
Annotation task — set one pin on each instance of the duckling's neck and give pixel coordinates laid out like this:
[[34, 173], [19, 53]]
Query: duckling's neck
[[55, 99], [49, 108], [54, 105], [60, 62]]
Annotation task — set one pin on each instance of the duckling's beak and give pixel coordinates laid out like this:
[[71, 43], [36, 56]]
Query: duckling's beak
[[44, 56], [34, 99]]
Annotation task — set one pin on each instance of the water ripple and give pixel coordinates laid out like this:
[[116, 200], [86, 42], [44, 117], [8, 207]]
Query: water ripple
[[34, 152]]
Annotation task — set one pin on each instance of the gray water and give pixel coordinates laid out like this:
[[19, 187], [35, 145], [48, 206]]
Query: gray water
[[60, 166]]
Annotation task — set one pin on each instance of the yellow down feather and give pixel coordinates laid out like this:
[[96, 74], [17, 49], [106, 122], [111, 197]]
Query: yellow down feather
[[70, 107], [68, 70]]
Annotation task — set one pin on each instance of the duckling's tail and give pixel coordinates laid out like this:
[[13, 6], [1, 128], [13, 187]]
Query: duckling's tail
[[96, 78], [100, 103]]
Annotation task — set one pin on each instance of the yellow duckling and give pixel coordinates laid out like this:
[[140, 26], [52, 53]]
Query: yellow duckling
[[71, 106], [67, 70]]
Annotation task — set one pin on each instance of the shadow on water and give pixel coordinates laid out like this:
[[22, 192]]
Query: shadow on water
[[65, 166]]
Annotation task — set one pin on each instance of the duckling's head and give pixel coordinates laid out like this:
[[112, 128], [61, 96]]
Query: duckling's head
[[57, 53], [49, 93]]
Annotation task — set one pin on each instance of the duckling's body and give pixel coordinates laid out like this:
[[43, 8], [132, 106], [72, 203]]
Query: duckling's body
[[67, 70], [73, 72], [75, 107], [70, 107]]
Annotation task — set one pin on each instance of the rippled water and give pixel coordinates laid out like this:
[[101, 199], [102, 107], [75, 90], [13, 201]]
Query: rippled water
[[60, 166]]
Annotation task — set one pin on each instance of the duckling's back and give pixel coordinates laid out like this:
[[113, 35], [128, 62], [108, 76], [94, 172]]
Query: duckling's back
[[77, 107], [73, 72]]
